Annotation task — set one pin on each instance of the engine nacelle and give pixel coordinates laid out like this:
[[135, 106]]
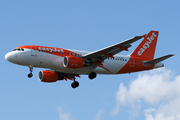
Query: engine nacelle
[[48, 76], [73, 62]]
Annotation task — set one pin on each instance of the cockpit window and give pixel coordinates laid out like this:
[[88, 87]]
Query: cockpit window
[[19, 49]]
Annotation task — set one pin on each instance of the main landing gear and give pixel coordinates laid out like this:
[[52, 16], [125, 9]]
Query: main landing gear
[[30, 69], [75, 84], [92, 75]]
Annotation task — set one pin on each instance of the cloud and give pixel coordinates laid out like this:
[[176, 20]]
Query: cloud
[[160, 88], [98, 115], [169, 111], [63, 115]]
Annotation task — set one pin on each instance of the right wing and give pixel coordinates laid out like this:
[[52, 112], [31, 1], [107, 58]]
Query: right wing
[[102, 54]]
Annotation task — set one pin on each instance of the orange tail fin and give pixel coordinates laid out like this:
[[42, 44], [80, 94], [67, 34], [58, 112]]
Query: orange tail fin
[[146, 48]]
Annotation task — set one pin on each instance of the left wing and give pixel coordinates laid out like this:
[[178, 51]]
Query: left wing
[[99, 56]]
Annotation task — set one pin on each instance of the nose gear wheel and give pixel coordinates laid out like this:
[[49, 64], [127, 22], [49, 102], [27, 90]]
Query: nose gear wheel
[[30, 75], [30, 69]]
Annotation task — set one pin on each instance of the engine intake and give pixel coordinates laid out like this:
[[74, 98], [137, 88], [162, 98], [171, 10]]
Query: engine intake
[[48, 76], [73, 62]]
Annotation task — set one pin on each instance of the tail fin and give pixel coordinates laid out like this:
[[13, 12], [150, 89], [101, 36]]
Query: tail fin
[[146, 48]]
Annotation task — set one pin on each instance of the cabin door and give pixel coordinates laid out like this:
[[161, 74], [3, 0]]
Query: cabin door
[[132, 62], [33, 50]]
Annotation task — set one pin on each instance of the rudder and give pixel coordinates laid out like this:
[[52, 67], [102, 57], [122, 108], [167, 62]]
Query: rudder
[[146, 48]]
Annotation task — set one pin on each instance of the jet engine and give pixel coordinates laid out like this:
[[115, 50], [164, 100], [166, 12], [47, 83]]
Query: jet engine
[[73, 62], [48, 76]]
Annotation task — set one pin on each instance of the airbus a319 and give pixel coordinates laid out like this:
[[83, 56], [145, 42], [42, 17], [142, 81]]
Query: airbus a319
[[66, 64]]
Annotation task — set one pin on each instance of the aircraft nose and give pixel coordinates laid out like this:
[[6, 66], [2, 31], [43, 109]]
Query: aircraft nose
[[8, 56]]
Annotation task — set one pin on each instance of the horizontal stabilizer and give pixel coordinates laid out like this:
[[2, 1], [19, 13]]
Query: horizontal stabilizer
[[157, 60]]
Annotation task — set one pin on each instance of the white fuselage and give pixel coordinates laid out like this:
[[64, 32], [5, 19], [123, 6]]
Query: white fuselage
[[35, 58]]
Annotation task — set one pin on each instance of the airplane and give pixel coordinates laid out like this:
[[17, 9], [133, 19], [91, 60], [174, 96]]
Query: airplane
[[67, 64]]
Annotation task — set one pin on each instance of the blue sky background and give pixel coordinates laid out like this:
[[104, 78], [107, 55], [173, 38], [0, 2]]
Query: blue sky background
[[83, 25]]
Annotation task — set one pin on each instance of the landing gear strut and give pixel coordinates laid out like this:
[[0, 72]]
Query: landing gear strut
[[92, 75], [30, 69]]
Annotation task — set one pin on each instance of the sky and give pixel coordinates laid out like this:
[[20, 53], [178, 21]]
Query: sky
[[90, 25]]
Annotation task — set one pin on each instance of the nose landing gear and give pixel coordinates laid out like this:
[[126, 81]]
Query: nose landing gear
[[30, 75], [30, 69]]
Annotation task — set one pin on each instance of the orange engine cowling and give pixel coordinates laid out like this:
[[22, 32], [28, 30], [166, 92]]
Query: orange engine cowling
[[48, 76], [73, 62]]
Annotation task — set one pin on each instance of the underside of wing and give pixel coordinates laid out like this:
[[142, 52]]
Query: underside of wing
[[102, 54]]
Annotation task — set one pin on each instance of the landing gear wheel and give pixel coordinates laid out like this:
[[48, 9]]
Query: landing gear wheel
[[30, 69], [92, 75], [30, 75], [75, 84]]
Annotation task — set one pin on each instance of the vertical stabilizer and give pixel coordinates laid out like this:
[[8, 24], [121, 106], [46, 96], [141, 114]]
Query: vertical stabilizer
[[146, 48]]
